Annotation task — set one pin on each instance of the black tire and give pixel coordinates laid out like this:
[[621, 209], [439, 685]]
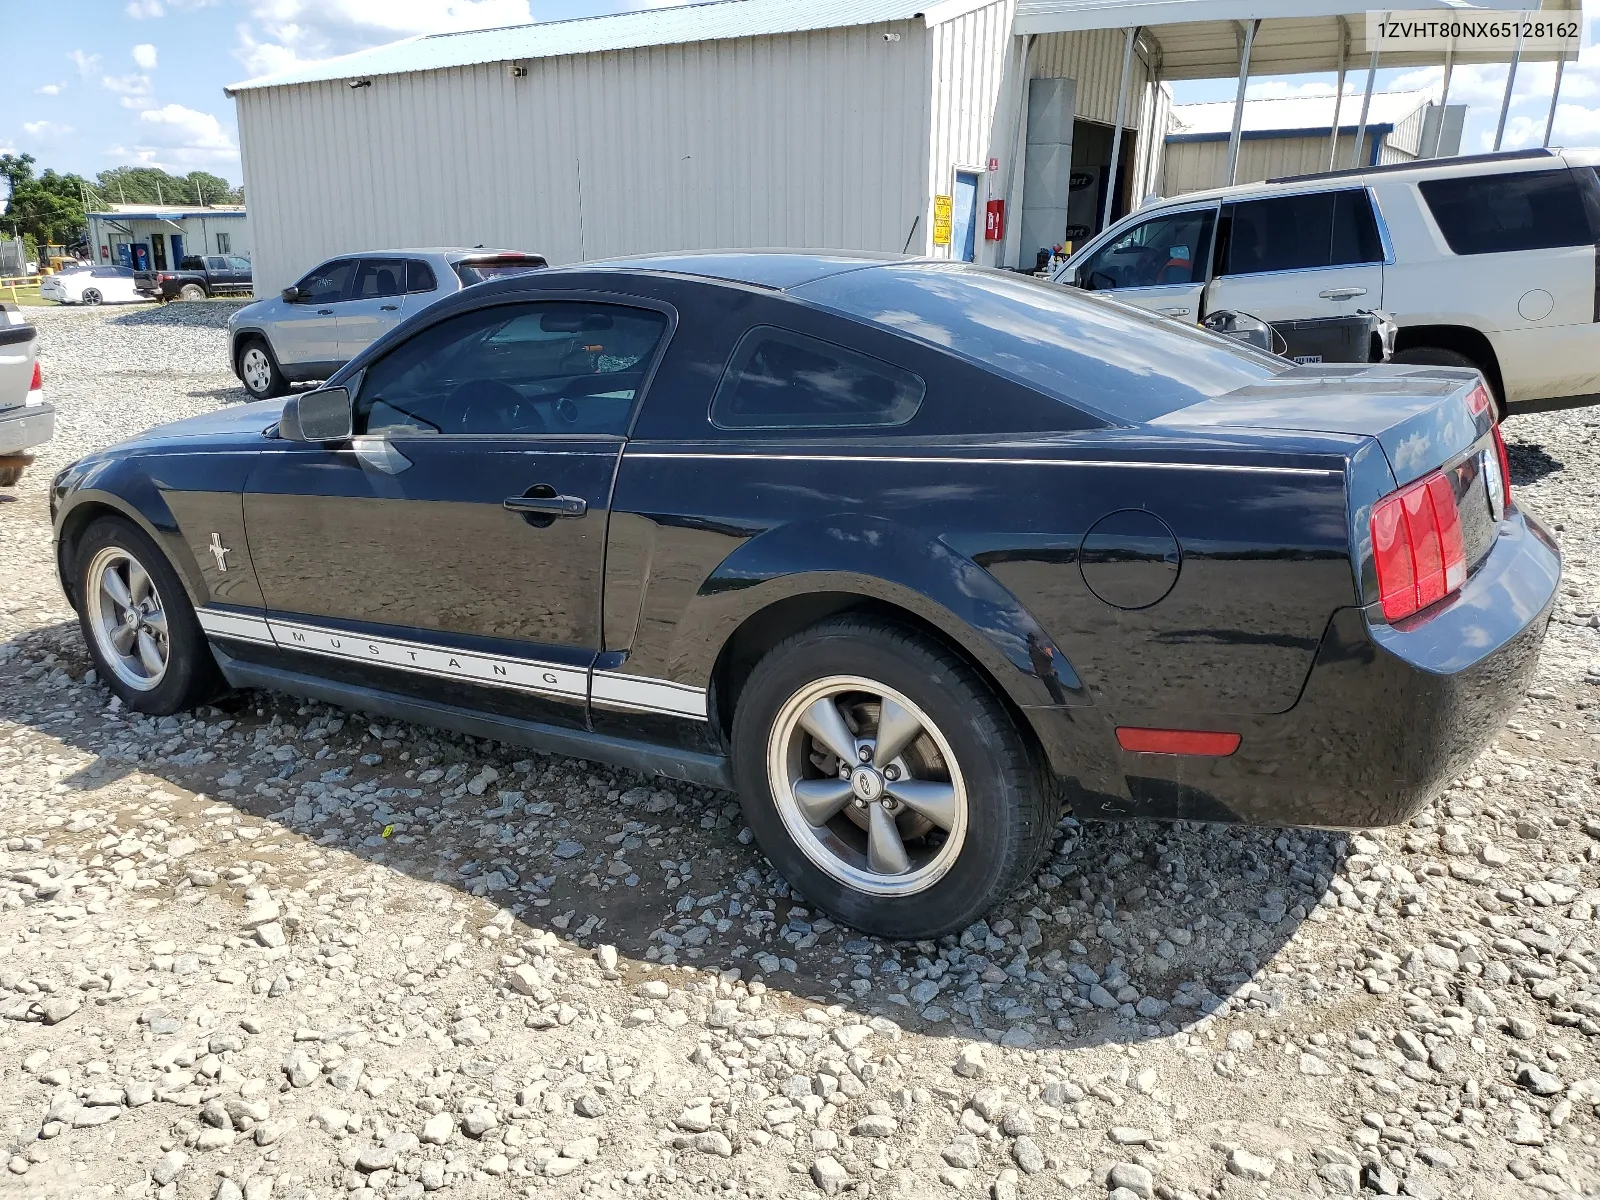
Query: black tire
[[191, 291], [1011, 807], [275, 385], [92, 296], [1440, 356], [10, 476], [191, 676]]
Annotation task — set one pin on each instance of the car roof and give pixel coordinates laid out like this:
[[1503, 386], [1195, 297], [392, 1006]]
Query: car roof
[[449, 252], [777, 270]]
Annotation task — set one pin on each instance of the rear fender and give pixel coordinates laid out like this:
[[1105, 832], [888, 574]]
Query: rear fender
[[921, 575]]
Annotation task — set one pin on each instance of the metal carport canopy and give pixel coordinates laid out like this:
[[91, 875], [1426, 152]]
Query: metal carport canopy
[[1200, 39]]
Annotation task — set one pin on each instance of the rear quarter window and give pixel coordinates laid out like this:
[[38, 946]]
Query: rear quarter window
[[780, 379], [1493, 214]]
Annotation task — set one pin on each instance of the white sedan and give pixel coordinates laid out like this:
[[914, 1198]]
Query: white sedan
[[90, 285]]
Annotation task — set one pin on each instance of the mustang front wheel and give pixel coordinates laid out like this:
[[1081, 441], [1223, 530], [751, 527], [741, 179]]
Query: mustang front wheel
[[886, 781], [137, 620]]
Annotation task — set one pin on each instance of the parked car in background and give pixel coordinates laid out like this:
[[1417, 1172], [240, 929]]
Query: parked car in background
[[26, 421], [1484, 261], [343, 306], [91, 285], [198, 277], [736, 519]]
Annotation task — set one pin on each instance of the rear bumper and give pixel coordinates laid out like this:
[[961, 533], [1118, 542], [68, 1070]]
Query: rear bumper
[[22, 429], [1388, 716]]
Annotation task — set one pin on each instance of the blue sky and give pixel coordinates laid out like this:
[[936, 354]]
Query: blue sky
[[139, 82]]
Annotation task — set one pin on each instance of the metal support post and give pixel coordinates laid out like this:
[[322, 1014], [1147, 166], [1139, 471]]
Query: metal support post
[[1511, 80], [1366, 110], [1555, 95], [1338, 96], [1238, 100], [1116, 136]]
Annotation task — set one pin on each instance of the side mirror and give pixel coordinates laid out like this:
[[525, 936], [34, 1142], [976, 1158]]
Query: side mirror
[[291, 293], [319, 416]]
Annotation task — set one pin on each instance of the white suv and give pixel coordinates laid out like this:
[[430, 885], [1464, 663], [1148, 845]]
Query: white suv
[[1484, 261]]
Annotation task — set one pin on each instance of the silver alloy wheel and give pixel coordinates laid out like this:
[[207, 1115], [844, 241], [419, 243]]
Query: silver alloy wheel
[[256, 368], [127, 618], [92, 296], [867, 786]]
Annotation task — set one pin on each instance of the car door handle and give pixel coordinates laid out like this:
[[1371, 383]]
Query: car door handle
[[547, 506], [391, 308], [1175, 312], [1348, 293], [324, 312]]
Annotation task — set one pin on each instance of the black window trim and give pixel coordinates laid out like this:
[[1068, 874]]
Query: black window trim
[[361, 265], [357, 367], [1385, 244], [411, 265], [816, 431]]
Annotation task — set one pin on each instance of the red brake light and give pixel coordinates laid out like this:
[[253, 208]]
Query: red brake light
[[1417, 546], [38, 379], [1177, 741], [1479, 400]]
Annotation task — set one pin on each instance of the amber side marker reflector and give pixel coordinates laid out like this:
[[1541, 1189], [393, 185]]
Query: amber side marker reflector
[[1177, 741]]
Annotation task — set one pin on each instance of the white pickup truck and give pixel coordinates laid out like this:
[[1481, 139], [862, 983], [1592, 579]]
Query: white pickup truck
[[1489, 261], [26, 421]]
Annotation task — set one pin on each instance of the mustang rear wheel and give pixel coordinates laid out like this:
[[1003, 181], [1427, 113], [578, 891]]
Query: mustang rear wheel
[[885, 779], [138, 623]]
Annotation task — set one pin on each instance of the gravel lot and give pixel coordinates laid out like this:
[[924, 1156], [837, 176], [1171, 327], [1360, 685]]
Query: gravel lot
[[280, 950]]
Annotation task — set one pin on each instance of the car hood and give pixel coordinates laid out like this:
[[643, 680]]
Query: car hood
[[258, 310], [237, 422]]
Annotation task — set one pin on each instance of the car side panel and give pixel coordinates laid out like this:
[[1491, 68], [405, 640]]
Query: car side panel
[[180, 499]]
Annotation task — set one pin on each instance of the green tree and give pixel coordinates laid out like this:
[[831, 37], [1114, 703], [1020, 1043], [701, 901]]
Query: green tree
[[49, 208], [151, 185]]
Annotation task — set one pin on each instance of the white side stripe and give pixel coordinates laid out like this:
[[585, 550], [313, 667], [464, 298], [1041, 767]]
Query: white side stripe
[[614, 690], [609, 688]]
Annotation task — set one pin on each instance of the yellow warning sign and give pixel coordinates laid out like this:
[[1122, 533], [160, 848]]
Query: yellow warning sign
[[942, 206]]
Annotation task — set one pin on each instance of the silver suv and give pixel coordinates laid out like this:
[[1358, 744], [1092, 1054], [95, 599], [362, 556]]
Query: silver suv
[[347, 303]]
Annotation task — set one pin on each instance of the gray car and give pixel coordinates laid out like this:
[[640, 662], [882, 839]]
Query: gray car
[[346, 304], [26, 421]]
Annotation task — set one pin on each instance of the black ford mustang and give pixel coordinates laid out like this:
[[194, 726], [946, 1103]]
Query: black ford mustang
[[903, 551]]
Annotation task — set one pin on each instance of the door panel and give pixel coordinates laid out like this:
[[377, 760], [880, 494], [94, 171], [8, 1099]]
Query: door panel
[[1293, 257], [406, 539], [374, 306], [308, 332]]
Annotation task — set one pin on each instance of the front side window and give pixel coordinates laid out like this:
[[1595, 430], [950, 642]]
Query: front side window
[[1301, 233], [326, 285], [1170, 248], [544, 367], [1492, 214], [379, 277], [239, 264], [778, 379]]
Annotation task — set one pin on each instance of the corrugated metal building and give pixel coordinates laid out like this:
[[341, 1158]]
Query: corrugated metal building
[[741, 123], [860, 124], [1294, 136]]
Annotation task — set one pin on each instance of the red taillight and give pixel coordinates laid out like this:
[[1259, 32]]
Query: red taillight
[[1479, 400], [1505, 470], [1417, 546], [1177, 741], [38, 380]]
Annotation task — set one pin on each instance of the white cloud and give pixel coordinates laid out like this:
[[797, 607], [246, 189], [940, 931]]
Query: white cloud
[[144, 56], [49, 89], [45, 129], [87, 64], [283, 33], [139, 10], [1282, 89], [132, 86], [184, 137]]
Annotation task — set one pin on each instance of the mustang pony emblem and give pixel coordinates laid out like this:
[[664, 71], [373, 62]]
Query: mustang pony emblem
[[219, 552]]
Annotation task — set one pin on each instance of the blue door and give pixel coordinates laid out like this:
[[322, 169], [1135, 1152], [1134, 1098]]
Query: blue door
[[177, 251], [964, 217]]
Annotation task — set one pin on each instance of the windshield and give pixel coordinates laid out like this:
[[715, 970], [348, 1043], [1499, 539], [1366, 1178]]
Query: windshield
[[1095, 353]]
